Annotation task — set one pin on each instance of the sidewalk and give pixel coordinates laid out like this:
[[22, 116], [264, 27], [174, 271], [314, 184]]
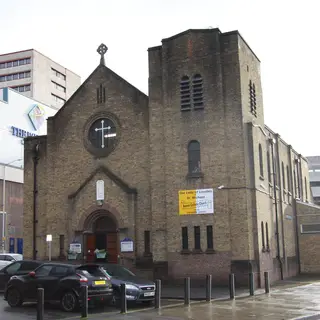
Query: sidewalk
[[292, 303], [296, 298], [199, 293]]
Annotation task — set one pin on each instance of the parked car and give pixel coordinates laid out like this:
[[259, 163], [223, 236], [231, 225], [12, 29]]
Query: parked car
[[17, 268], [137, 290], [7, 258], [62, 283]]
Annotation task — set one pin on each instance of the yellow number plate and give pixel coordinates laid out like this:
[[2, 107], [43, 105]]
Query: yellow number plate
[[99, 282]]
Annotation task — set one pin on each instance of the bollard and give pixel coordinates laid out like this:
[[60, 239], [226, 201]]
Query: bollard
[[84, 298], [266, 281], [187, 291], [40, 305], [123, 300], [251, 283], [157, 303], [208, 287], [232, 289]]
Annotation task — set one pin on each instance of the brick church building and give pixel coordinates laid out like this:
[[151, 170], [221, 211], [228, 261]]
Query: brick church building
[[115, 163]]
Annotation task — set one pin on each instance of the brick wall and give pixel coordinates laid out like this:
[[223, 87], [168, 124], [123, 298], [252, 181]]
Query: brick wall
[[309, 243]]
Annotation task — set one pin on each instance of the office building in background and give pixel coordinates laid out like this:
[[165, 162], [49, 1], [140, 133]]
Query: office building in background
[[20, 117], [314, 174], [36, 76]]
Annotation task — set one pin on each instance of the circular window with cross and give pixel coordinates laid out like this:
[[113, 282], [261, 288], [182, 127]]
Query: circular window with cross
[[101, 134]]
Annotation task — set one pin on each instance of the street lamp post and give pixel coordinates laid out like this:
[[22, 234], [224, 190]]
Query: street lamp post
[[4, 203]]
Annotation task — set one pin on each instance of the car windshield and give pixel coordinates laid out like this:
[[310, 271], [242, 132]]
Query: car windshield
[[17, 256], [118, 272], [92, 271]]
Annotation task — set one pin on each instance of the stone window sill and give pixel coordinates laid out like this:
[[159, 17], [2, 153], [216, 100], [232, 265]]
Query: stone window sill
[[210, 251], [195, 175], [197, 251], [185, 251]]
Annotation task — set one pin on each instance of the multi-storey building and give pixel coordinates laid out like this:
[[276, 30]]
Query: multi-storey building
[[36, 76], [20, 116], [187, 182], [314, 175]]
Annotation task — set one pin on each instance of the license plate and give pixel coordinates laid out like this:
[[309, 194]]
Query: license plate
[[149, 294], [98, 283]]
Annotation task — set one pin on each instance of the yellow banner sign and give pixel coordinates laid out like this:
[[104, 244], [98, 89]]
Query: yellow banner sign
[[198, 201], [187, 202]]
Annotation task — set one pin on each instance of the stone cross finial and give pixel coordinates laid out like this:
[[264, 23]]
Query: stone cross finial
[[102, 49]]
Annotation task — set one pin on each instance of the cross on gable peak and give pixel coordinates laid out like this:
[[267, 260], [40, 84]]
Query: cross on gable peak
[[102, 50]]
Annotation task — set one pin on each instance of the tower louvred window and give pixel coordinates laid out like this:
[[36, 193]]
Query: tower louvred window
[[197, 91], [185, 93]]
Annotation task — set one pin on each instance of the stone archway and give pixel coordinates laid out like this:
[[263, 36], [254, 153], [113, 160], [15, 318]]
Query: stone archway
[[101, 232]]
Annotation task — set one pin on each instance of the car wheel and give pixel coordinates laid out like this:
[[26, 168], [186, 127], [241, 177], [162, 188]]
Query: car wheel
[[69, 302], [14, 298]]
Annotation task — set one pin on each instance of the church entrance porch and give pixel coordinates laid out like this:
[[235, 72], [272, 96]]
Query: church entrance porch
[[101, 244]]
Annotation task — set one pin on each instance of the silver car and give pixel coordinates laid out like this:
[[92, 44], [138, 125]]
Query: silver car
[[7, 258]]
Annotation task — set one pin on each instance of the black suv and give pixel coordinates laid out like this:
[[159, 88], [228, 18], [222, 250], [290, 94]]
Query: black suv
[[61, 283]]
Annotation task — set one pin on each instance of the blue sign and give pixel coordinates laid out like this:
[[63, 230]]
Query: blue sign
[[21, 133], [11, 245], [20, 245]]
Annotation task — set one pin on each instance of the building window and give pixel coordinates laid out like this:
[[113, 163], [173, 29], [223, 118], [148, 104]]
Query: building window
[[283, 176], [61, 242], [262, 236], [58, 74], [267, 236], [22, 88], [147, 242], [253, 100], [58, 87], [288, 179], [185, 94], [57, 99], [306, 188], [260, 160], [15, 76], [197, 91], [295, 182], [269, 167], [209, 237], [197, 238], [194, 157], [14, 63], [185, 240]]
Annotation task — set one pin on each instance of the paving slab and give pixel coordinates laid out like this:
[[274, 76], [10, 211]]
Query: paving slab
[[301, 302]]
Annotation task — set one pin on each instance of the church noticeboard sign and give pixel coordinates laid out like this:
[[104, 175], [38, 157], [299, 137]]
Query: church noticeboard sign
[[199, 201], [126, 245], [100, 190]]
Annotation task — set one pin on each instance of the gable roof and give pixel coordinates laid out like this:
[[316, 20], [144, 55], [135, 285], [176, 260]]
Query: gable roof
[[123, 185], [107, 70]]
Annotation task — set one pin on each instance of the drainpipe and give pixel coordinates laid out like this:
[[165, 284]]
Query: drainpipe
[[35, 193], [272, 141]]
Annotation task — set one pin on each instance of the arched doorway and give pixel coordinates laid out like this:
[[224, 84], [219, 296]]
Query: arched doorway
[[104, 236]]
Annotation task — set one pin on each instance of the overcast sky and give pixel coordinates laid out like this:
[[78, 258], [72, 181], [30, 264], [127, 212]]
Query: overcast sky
[[284, 34]]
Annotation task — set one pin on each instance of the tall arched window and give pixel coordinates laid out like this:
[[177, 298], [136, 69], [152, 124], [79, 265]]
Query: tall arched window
[[269, 167], [267, 237], [260, 160], [283, 176], [289, 180], [194, 163], [262, 236], [197, 91], [185, 94]]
